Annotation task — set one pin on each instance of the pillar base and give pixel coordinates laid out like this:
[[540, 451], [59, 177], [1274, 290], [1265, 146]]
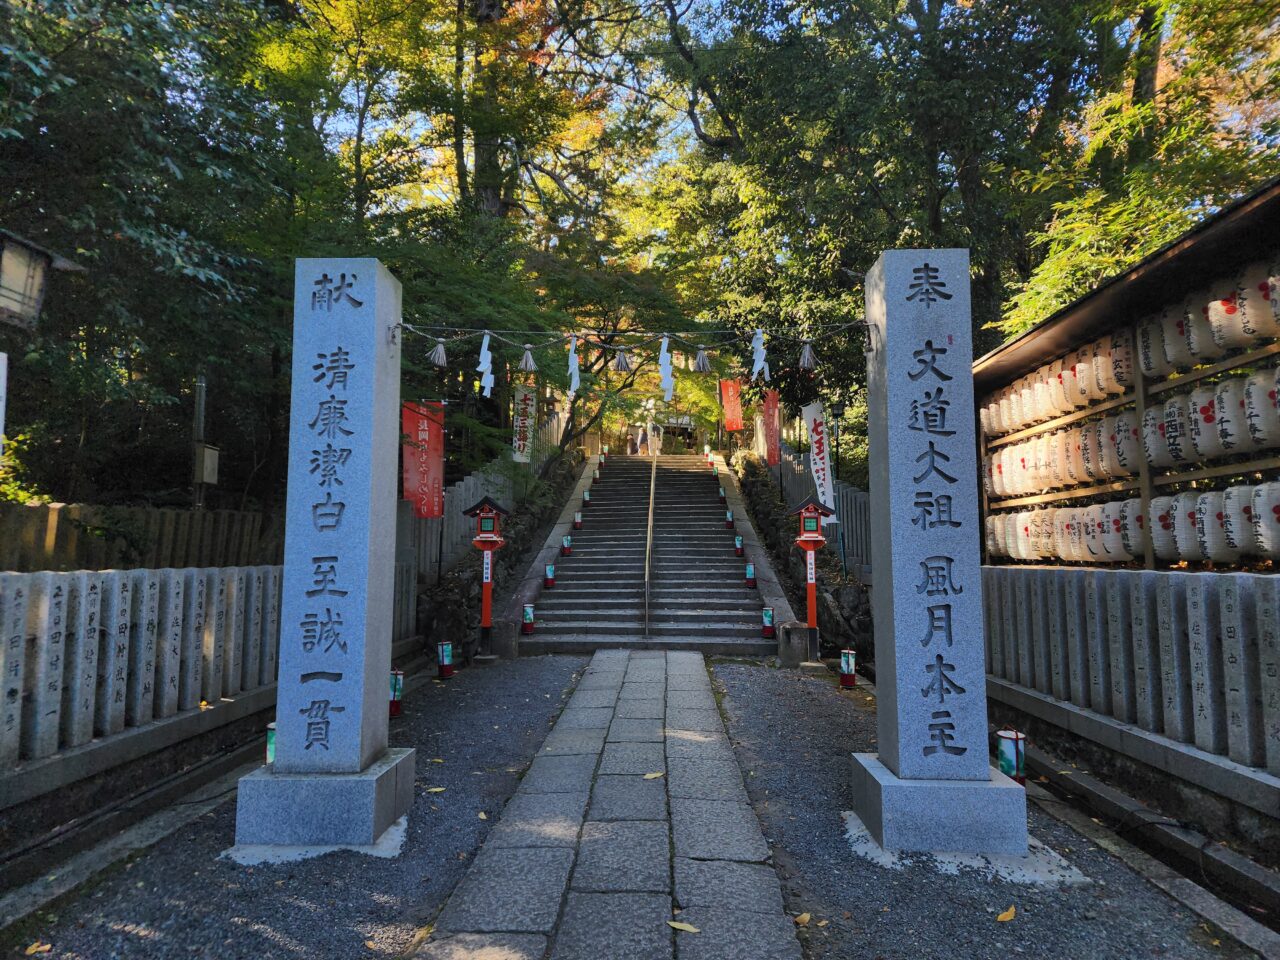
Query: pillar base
[[939, 816], [325, 809]]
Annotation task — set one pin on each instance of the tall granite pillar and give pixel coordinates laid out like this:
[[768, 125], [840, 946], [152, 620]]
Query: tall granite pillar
[[334, 782], [931, 788]]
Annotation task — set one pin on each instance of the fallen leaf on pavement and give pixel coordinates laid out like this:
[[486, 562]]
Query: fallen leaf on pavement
[[686, 927], [483, 815], [38, 947], [435, 789], [802, 920], [653, 776], [823, 923], [1007, 915], [371, 945]]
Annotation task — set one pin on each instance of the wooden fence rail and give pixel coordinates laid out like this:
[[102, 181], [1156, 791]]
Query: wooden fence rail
[[72, 536]]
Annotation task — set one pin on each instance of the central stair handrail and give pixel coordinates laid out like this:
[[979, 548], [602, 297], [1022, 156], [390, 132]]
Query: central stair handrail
[[648, 541]]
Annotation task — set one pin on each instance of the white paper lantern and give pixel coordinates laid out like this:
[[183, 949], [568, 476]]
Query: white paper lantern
[[1177, 431], [1199, 332], [1008, 533], [1109, 448], [1095, 552], [1072, 464], [1006, 411], [1160, 522], [1173, 325], [1258, 290], [1016, 418], [1202, 419], [1133, 527], [997, 474], [1090, 452], [1040, 394], [1024, 536], [1104, 382], [1128, 441], [1058, 458], [1069, 546], [1227, 321], [1261, 411], [1184, 526], [1237, 519], [1112, 538], [1211, 531], [984, 421], [1082, 368], [995, 426], [1153, 445], [1151, 356], [1228, 406], [1027, 391], [987, 486], [1121, 361], [1266, 518], [1044, 470], [994, 546], [1058, 388]]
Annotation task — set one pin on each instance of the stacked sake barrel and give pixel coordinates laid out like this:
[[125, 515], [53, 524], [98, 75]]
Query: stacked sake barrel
[[1214, 421]]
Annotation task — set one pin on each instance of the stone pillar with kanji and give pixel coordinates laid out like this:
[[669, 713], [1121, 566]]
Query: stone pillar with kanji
[[334, 782], [931, 787]]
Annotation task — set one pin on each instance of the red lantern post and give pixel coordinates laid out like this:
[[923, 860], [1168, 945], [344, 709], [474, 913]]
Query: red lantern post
[[488, 538], [810, 540]]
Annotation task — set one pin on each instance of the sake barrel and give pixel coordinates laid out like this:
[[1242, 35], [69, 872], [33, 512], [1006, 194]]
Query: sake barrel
[[1228, 406], [1160, 524], [1261, 412], [1203, 422], [1237, 519], [1151, 356], [1153, 444]]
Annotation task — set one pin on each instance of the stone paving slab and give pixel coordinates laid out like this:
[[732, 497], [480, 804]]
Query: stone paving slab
[[736, 935], [616, 926], [690, 699], [640, 709], [593, 698], [579, 865], [715, 883], [646, 690], [697, 745], [509, 890], [585, 718], [623, 856], [638, 758], [681, 719], [564, 774], [628, 798], [563, 742], [635, 731], [716, 830], [490, 946], [540, 820], [706, 780]]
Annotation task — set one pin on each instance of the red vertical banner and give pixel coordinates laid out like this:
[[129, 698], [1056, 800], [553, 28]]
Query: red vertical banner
[[772, 428], [422, 425], [731, 400]]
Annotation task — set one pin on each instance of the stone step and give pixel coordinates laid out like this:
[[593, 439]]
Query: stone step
[[538, 645]]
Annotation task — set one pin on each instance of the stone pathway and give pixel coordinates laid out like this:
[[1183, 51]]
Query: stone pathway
[[593, 855]]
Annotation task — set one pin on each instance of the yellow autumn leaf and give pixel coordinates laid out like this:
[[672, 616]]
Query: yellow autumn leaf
[[1008, 915], [823, 923], [483, 815], [802, 920], [653, 776], [371, 944], [436, 760], [686, 927], [435, 790], [38, 947]]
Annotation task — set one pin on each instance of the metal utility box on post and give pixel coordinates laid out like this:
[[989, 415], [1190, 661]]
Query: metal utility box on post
[[810, 540]]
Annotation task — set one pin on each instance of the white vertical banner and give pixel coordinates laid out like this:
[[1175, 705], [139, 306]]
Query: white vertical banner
[[526, 405], [4, 393], [820, 458]]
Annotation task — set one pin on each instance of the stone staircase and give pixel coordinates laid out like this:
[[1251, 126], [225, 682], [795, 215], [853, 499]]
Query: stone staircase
[[698, 596]]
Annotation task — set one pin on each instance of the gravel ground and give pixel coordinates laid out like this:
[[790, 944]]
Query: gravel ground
[[180, 900], [793, 735]]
